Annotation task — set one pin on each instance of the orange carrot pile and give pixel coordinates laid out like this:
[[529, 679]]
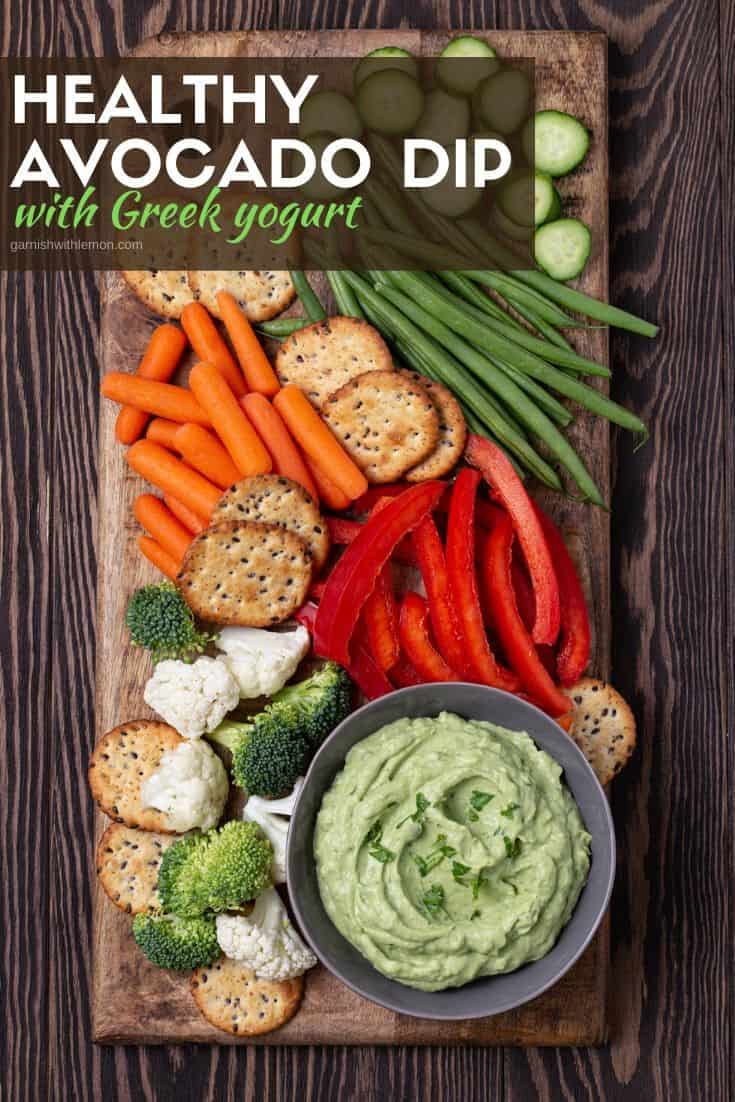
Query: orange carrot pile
[[255, 365], [165, 349], [209, 346], [231, 421]]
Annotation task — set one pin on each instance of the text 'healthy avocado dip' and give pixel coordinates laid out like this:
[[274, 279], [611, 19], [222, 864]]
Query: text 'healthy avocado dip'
[[448, 849]]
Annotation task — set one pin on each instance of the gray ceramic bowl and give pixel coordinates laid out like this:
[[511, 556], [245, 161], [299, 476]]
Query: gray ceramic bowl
[[483, 997]]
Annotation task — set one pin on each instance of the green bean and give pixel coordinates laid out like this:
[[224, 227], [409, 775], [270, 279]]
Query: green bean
[[390, 207], [528, 413], [344, 296], [279, 328], [312, 306], [472, 294], [545, 401], [495, 337], [543, 327]]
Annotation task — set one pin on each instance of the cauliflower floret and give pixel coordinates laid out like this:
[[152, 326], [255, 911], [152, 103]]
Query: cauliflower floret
[[193, 697], [262, 661], [190, 786], [265, 940], [273, 817]]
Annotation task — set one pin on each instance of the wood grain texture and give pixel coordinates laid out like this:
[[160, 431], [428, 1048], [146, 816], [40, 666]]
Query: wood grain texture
[[570, 72], [673, 1039]]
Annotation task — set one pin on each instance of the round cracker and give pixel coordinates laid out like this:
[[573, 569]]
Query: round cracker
[[121, 761], [245, 573], [231, 997], [322, 357], [166, 293], [261, 295], [127, 863], [452, 431], [385, 422], [603, 726], [273, 499]]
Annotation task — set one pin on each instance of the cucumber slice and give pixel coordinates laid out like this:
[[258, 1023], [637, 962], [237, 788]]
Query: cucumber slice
[[329, 112], [390, 102], [508, 227], [464, 78], [527, 198], [387, 57], [562, 248], [557, 142], [445, 197], [504, 100], [345, 163], [555, 211], [445, 117]]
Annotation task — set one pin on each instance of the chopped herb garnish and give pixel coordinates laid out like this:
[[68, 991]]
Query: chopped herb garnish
[[433, 899], [375, 850], [476, 883], [478, 801], [435, 857], [474, 915], [513, 846], [510, 884], [508, 811], [421, 805], [459, 870]]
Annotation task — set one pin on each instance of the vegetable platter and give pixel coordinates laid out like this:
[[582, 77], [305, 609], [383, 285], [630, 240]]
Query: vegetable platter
[[135, 1002]]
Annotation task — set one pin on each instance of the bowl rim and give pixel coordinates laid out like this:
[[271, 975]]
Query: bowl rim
[[510, 1003]]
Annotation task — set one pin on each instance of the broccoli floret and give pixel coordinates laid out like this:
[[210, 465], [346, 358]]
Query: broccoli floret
[[273, 748], [216, 871], [178, 943], [269, 758], [323, 700], [159, 619]]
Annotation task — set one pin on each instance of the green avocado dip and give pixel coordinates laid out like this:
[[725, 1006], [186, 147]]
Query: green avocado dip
[[449, 849]]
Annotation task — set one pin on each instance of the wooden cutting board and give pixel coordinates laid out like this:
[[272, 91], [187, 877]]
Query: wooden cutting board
[[135, 1003]]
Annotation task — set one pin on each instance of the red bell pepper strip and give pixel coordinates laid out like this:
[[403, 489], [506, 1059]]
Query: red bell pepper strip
[[364, 671], [371, 497], [574, 648], [516, 642], [380, 616], [463, 582], [417, 645], [433, 566], [498, 472], [306, 616], [343, 531], [403, 674], [354, 576]]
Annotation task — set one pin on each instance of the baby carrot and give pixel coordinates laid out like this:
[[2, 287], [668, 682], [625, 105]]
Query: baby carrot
[[189, 519], [228, 418], [205, 454], [165, 349], [159, 522], [209, 346], [163, 432], [330, 494], [160, 399], [169, 474], [153, 551], [259, 375], [318, 442], [287, 460]]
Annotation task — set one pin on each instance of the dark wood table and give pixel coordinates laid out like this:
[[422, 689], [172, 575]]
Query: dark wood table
[[672, 1013]]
